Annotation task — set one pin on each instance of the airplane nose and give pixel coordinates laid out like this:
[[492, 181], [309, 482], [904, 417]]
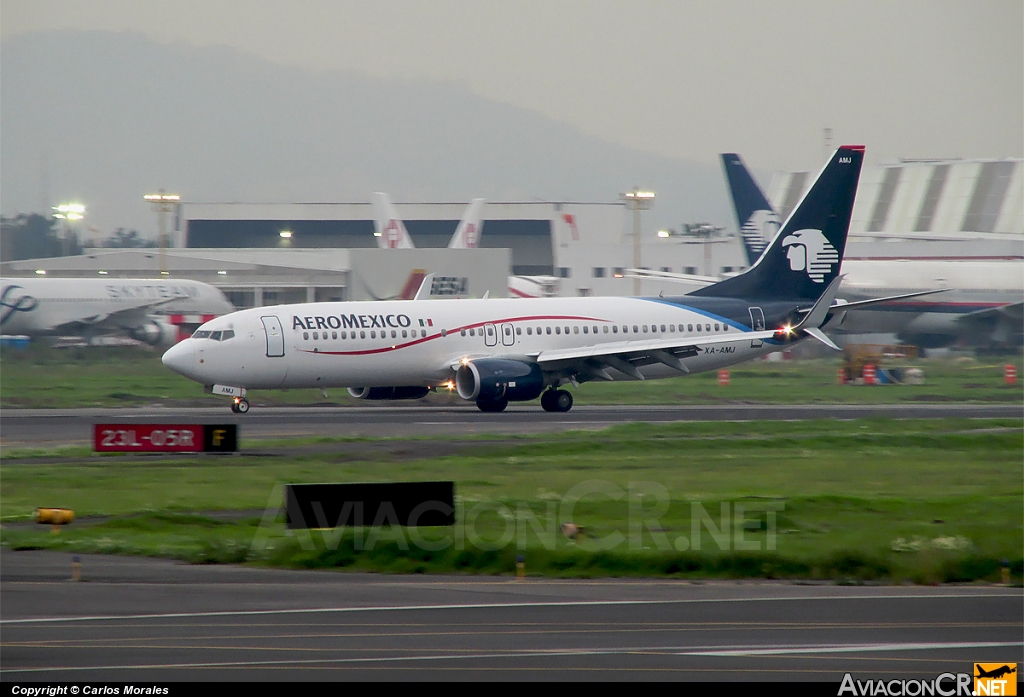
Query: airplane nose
[[180, 357]]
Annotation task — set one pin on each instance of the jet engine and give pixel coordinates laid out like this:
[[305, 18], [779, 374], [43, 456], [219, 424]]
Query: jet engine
[[389, 392], [492, 379], [155, 333]]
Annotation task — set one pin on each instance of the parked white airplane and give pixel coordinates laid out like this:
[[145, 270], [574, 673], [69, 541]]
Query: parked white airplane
[[983, 306], [502, 350], [391, 234], [93, 307]]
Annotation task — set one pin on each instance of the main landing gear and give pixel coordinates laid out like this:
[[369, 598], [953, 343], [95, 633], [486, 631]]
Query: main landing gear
[[556, 400], [240, 405]]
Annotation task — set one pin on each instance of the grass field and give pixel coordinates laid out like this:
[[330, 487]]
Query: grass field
[[105, 376], [919, 500]]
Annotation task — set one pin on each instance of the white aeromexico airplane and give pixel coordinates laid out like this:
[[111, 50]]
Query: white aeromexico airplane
[[391, 234], [92, 307], [502, 350]]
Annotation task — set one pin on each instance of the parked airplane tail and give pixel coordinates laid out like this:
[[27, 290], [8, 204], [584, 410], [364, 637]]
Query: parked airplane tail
[[758, 222], [467, 234], [804, 257], [387, 226]]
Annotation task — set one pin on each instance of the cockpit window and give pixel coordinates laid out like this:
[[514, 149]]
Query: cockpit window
[[215, 336], [201, 334], [227, 334]]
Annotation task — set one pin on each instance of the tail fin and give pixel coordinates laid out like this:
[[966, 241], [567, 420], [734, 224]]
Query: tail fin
[[387, 226], [757, 220], [467, 234], [805, 256]]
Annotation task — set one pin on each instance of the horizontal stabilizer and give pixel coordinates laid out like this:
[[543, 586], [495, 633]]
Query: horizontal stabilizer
[[820, 336]]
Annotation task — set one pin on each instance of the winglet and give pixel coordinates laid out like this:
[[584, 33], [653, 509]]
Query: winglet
[[424, 292], [816, 317]]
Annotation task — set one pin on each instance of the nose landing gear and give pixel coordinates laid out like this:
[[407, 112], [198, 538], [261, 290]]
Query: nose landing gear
[[556, 400], [240, 405]]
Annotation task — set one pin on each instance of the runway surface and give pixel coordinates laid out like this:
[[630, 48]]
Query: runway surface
[[50, 427], [137, 619]]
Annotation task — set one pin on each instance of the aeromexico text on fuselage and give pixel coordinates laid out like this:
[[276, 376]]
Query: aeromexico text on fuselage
[[353, 321]]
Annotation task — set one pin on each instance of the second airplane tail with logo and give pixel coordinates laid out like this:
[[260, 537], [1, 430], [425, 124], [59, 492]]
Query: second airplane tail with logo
[[804, 257]]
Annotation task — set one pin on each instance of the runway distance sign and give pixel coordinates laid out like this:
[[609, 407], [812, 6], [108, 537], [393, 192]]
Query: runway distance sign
[[165, 438]]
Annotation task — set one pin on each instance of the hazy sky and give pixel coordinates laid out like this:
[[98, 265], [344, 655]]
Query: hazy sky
[[676, 78]]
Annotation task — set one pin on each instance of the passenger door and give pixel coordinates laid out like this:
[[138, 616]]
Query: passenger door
[[757, 324], [508, 335], [275, 336]]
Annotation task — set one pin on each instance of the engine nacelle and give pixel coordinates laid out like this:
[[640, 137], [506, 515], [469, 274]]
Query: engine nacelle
[[491, 379], [156, 333], [389, 392]]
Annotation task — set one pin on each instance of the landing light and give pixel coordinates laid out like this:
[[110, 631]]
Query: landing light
[[464, 361], [286, 234]]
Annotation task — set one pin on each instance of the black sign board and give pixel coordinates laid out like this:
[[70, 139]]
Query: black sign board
[[412, 504]]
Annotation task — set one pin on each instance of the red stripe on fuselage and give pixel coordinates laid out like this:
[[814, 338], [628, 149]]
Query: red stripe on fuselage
[[423, 339]]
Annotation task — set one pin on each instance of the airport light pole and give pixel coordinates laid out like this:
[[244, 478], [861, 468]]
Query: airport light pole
[[66, 212], [636, 201], [162, 204]]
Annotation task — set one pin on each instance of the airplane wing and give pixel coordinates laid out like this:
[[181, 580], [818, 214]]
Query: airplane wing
[[691, 279], [1014, 311], [125, 318], [593, 362]]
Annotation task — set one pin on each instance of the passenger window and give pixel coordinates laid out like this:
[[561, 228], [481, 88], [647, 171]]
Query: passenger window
[[423, 333], [707, 327], [334, 335], [529, 331], [362, 335], [462, 332], [373, 334], [576, 330], [558, 330], [394, 334], [663, 327], [344, 335], [586, 329], [472, 332], [548, 330], [716, 326], [636, 329], [444, 332], [698, 327], [490, 331], [567, 330], [725, 327], [689, 327], [625, 329], [305, 335], [615, 329], [519, 331], [595, 329]]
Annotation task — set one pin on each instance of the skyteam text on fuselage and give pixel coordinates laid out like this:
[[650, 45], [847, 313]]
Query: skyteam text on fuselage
[[501, 350]]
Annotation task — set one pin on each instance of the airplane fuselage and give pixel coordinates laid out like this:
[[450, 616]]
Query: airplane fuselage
[[396, 343]]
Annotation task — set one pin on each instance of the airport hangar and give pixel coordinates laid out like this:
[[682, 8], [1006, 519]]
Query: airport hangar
[[328, 252], [911, 209]]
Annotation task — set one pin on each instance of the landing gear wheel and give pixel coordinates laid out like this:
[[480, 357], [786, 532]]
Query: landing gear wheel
[[547, 400], [240, 406], [494, 405], [562, 401]]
